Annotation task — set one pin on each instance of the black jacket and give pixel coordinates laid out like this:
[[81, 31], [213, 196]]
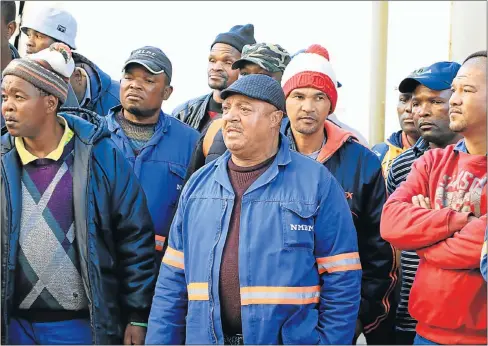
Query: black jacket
[[192, 112], [358, 171], [114, 231]]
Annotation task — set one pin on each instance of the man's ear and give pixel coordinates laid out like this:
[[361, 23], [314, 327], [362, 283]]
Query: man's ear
[[167, 91], [276, 118], [51, 103], [76, 77], [11, 27]]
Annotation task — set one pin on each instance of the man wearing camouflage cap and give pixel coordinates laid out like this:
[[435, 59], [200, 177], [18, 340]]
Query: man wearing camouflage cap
[[260, 58], [263, 58]]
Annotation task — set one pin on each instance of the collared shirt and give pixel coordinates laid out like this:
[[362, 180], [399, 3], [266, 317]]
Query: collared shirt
[[87, 97], [26, 157]]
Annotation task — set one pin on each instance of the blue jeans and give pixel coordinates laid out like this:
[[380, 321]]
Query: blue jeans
[[71, 332], [422, 341]]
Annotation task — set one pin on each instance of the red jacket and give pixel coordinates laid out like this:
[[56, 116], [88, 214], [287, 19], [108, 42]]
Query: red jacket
[[448, 296]]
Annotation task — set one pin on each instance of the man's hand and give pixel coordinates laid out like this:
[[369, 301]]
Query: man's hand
[[421, 201], [134, 335]]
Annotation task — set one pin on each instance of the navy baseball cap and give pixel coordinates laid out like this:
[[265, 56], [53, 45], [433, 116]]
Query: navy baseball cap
[[438, 77], [153, 59]]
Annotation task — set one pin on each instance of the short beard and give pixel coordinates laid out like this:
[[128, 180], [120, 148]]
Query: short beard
[[307, 130], [458, 126], [220, 86], [141, 113]]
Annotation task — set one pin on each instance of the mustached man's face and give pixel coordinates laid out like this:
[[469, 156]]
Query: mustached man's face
[[220, 72]]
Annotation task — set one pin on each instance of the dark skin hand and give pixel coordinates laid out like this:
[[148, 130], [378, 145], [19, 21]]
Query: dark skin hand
[[134, 335]]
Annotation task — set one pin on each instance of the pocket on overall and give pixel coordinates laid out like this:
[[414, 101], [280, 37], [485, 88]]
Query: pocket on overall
[[298, 225]]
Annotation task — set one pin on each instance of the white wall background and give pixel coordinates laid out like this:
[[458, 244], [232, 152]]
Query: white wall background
[[418, 36]]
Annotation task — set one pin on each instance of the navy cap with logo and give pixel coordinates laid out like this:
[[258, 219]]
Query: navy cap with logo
[[153, 59], [438, 76]]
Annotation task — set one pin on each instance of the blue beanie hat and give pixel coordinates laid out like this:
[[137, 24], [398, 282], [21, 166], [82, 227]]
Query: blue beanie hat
[[259, 87], [237, 37]]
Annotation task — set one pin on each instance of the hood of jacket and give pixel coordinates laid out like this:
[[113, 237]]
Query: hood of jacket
[[336, 138], [88, 126], [396, 139], [99, 81]]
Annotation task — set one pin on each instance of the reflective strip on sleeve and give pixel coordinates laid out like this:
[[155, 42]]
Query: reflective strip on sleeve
[[280, 295], [198, 291], [339, 263], [174, 258], [160, 242]]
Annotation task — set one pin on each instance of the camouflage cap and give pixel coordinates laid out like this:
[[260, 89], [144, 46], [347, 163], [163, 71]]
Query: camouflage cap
[[271, 57]]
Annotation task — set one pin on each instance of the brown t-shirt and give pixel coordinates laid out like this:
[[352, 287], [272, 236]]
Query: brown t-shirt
[[241, 179]]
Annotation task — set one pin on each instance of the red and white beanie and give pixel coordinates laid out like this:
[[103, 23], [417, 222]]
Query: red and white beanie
[[312, 69]]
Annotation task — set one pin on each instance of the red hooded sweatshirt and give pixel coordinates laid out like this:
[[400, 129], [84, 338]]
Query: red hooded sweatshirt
[[448, 296]]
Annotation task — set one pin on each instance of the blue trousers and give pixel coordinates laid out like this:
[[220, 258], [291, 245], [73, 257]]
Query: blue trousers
[[419, 340], [70, 332]]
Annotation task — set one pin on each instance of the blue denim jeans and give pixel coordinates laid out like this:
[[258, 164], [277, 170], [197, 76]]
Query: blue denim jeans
[[70, 332], [422, 341]]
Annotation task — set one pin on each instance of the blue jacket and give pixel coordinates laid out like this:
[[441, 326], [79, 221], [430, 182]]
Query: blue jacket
[[105, 92], [160, 166], [358, 171], [483, 268], [299, 268], [114, 231]]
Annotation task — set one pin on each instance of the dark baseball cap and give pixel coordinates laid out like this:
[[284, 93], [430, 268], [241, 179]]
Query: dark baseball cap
[[437, 77], [259, 87], [153, 59]]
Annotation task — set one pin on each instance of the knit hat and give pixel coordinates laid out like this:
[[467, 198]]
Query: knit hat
[[53, 22], [271, 57], [259, 87], [48, 70], [311, 68], [237, 37]]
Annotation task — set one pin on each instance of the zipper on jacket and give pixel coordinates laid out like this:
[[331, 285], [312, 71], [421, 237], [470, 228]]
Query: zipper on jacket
[[211, 300], [9, 231], [92, 325]]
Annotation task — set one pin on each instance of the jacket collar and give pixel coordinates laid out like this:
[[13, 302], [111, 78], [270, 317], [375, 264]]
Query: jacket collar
[[396, 139], [87, 126], [98, 80], [163, 124], [420, 147], [336, 137], [283, 158]]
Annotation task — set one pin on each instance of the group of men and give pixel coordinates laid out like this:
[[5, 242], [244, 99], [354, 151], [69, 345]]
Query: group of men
[[250, 215]]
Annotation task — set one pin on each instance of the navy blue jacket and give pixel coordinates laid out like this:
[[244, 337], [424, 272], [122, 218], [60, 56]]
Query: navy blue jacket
[[160, 167], [358, 171], [105, 92], [113, 227]]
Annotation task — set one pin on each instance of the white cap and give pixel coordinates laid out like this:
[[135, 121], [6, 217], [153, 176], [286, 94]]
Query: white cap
[[53, 22]]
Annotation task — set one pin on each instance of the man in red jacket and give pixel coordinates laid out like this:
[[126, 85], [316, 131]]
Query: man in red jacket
[[440, 211]]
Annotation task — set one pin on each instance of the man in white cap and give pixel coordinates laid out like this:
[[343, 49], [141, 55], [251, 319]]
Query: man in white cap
[[89, 87], [78, 263]]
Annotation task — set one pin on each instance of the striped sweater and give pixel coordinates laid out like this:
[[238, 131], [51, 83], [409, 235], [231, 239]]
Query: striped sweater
[[409, 260]]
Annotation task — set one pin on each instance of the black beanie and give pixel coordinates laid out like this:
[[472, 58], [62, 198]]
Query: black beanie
[[237, 37]]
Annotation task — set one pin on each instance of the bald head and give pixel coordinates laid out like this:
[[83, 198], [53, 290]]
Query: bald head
[[467, 105]]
